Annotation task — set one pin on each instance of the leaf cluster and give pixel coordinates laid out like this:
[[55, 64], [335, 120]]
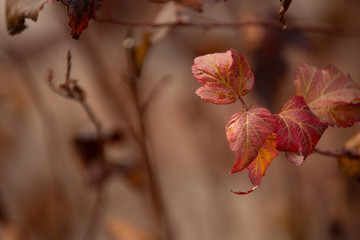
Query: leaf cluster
[[323, 98]]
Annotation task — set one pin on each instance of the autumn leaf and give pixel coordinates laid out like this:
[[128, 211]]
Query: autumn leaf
[[224, 76], [18, 10], [247, 131], [262, 161], [80, 12], [299, 130], [331, 96]]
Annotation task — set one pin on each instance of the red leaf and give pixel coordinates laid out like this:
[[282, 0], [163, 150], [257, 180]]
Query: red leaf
[[298, 131], [331, 96], [247, 131], [247, 192], [18, 10], [262, 161], [80, 12], [224, 76]]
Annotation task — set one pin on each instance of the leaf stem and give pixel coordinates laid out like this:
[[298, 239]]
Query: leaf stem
[[243, 103], [268, 23]]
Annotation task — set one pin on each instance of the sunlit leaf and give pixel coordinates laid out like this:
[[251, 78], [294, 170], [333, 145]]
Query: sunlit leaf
[[331, 96], [247, 132], [299, 130], [18, 10], [80, 12], [262, 161], [224, 76]]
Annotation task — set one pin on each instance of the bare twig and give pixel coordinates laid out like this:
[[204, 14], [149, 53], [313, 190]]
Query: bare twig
[[339, 153], [154, 93], [71, 90], [313, 28]]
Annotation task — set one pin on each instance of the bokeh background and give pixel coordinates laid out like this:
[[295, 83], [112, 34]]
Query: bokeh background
[[47, 188]]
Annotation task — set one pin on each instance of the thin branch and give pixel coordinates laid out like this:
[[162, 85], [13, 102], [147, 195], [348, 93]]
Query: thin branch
[[339, 153], [71, 90], [243, 103], [154, 93], [313, 28], [141, 140]]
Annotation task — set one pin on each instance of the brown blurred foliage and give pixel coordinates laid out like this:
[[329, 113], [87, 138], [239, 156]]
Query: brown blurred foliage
[[52, 183]]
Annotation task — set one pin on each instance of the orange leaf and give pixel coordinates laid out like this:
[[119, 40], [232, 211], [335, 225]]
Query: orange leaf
[[262, 161]]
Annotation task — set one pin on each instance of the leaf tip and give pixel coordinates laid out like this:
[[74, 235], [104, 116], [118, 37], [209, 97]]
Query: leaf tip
[[244, 193]]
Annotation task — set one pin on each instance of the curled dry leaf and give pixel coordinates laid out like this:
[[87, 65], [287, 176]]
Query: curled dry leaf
[[331, 96], [18, 10], [284, 6], [80, 12], [299, 130], [247, 131], [224, 76]]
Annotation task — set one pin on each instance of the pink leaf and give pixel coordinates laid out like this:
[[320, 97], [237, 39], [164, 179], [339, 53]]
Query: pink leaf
[[224, 76], [330, 95], [247, 131], [299, 130]]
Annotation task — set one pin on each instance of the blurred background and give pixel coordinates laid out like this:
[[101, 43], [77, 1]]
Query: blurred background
[[52, 183]]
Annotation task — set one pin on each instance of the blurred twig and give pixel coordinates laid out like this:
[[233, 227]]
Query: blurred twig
[[154, 93], [70, 89], [339, 153], [141, 139], [314, 28]]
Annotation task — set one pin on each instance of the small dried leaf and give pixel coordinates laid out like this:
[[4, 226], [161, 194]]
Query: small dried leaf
[[18, 10], [330, 95], [299, 130], [284, 6], [247, 132], [224, 76], [80, 12]]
